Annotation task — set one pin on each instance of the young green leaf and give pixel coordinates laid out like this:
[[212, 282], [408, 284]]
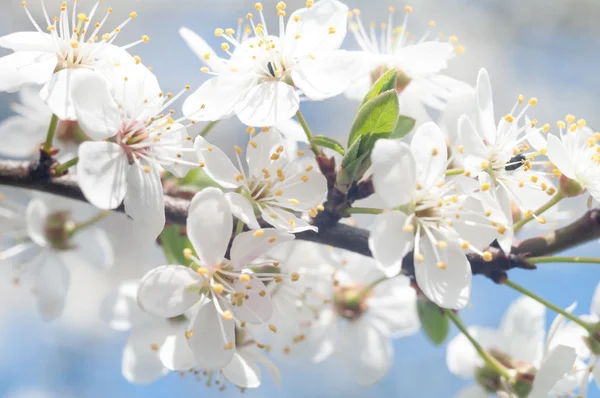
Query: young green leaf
[[377, 116], [386, 82], [434, 322], [327, 142], [173, 242], [403, 126], [351, 153]]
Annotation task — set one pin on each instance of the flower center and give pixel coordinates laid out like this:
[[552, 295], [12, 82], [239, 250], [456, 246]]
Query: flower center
[[350, 302], [58, 230]]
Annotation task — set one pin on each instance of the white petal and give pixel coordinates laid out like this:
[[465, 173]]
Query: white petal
[[217, 98], [57, 93], [308, 188], [210, 225], [94, 245], [450, 287], [429, 149], [365, 351], [250, 245], [394, 305], [175, 352], [144, 201], [50, 287], [461, 357], [596, 375], [595, 305], [394, 172], [267, 104], [25, 67], [256, 309], [36, 218], [102, 172], [389, 243], [211, 333], [485, 116], [98, 114], [216, 164], [475, 150], [523, 326], [558, 155], [424, 58], [120, 308], [169, 290], [313, 25], [257, 357], [505, 240], [479, 234], [242, 209], [291, 130], [20, 137], [325, 76], [459, 104], [259, 152], [284, 220], [140, 363], [201, 48], [28, 41], [557, 364], [242, 372]]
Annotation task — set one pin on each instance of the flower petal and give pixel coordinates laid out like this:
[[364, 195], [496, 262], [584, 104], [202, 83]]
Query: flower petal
[[210, 225], [211, 336], [242, 209], [168, 290], [217, 98], [447, 285], [51, 285], [140, 363], [144, 200], [120, 308], [175, 353], [474, 391], [557, 364], [201, 49], [394, 306], [36, 219], [325, 76], [216, 164], [424, 59], [429, 149], [389, 242], [459, 103], [20, 137], [242, 371], [259, 154], [474, 148], [394, 172], [523, 325], [461, 357], [595, 305], [309, 189], [98, 114], [267, 104], [57, 93], [25, 67], [250, 245], [485, 116], [284, 220], [28, 41], [102, 172], [257, 308], [557, 153], [94, 245]]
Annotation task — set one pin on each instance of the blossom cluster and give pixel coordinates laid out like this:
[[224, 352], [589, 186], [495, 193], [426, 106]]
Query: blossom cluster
[[242, 289]]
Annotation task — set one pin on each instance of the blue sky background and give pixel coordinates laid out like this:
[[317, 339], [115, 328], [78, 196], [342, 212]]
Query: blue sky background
[[539, 48]]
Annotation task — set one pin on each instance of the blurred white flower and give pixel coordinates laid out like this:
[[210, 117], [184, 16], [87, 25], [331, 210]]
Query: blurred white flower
[[72, 47], [262, 81], [275, 185], [226, 292]]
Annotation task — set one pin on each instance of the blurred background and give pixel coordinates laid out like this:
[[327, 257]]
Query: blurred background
[[542, 48]]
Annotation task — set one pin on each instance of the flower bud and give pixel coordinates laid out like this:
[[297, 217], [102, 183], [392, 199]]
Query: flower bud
[[523, 382], [570, 188]]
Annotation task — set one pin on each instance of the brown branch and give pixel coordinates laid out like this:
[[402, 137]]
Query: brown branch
[[587, 228]]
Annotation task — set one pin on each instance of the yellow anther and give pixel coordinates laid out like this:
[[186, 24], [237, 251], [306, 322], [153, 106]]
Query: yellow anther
[[238, 150], [218, 288], [279, 192], [452, 39], [201, 164], [532, 101], [541, 220], [420, 258], [262, 293], [189, 334], [273, 328], [308, 168], [461, 149], [137, 59], [546, 128], [145, 39], [275, 156], [272, 239], [544, 186], [24, 3], [460, 49], [501, 229], [442, 244], [304, 178], [570, 118], [133, 15], [249, 15], [408, 9], [228, 346], [296, 18], [442, 265], [485, 164], [228, 315], [281, 5], [203, 271], [408, 228], [187, 253], [332, 30], [258, 233], [509, 118], [295, 277], [219, 32], [581, 123], [74, 44], [245, 278], [534, 179], [225, 46], [521, 98], [258, 6], [310, 3], [252, 143], [146, 169], [229, 32], [485, 186], [210, 148], [434, 151], [320, 207], [294, 201], [464, 245], [561, 124], [106, 37], [487, 256]]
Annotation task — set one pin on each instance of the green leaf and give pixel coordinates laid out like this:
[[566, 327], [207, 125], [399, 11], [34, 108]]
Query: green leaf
[[351, 153], [378, 116], [173, 242], [197, 178], [327, 142], [434, 322], [403, 126], [386, 82]]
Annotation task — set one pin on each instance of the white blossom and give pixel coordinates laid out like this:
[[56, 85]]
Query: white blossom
[[73, 45], [265, 74], [275, 186]]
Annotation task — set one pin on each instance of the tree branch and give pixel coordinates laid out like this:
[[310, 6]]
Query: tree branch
[[587, 228]]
